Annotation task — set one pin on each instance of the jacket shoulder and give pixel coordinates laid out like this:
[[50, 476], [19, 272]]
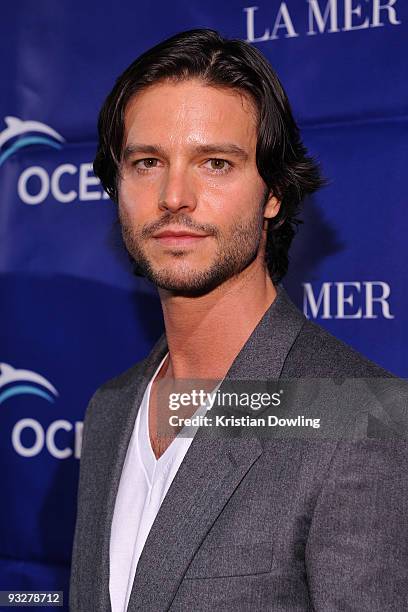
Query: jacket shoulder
[[317, 353], [107, 394]]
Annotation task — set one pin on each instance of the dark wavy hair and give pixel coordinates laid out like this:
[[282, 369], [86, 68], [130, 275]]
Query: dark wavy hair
[[281, 157]]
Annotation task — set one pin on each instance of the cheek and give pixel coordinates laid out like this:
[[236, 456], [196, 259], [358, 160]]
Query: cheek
[[136, 203], [236, 199]]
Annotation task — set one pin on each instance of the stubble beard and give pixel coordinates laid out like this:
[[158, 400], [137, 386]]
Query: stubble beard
[[234, 253]]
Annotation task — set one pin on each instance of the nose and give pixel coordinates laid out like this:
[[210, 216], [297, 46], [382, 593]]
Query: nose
[[177, 192]]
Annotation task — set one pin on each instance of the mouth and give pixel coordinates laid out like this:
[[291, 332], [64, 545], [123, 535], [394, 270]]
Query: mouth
[[178, 238]]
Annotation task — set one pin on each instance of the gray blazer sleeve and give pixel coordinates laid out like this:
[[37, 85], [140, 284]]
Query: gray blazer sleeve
[[357, 550]]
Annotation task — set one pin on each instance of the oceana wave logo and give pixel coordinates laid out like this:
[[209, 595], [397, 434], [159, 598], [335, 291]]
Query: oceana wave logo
[[21, 134], [18, 382], [65, 183], [29, 437]]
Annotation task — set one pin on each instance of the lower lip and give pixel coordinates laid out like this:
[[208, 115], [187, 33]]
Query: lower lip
[[179, 241]]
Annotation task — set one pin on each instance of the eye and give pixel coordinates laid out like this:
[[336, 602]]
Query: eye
[[149, 162], [219, 166], [143, 165]]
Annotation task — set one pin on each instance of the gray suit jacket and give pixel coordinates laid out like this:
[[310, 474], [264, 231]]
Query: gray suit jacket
[[253, 523]]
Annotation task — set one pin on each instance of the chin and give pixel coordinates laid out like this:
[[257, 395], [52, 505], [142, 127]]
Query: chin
[[188, 283]]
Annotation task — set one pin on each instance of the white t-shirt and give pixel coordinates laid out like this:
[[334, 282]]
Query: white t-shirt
[[144, 483]]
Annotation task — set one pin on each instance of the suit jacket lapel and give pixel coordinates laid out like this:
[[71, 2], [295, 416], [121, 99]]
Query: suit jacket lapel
[[206, 479], [211, 470]]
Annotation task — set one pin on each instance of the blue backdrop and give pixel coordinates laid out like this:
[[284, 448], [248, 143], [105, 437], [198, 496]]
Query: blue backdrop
[[73, 315]]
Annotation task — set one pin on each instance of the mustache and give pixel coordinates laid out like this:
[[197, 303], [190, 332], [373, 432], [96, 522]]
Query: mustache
[[181, 220]]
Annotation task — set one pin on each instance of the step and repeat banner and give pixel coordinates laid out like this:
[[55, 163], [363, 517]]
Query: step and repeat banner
[[73, 315]]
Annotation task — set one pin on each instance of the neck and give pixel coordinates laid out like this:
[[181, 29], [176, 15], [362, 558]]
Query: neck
[[204, 334]]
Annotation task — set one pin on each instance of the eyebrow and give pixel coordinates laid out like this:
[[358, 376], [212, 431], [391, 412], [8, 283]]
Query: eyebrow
[[227, 148]]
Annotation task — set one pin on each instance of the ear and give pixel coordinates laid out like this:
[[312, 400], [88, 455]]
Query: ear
[[272, 206]]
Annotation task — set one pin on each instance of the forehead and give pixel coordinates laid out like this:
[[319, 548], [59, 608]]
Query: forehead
[[190, 112]]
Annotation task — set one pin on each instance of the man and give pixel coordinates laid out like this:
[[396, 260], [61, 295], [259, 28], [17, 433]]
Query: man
[[199, 149]]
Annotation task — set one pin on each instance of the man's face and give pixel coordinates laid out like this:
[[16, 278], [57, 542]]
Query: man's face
[[191, 201]]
